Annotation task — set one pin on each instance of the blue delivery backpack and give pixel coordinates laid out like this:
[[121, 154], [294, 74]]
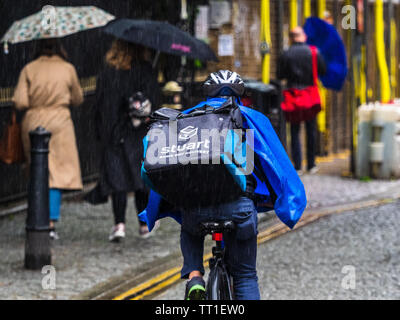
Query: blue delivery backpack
[[190, 159], [273, 171]]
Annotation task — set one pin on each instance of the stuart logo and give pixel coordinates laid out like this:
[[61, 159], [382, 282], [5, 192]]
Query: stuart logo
[[187, 133]]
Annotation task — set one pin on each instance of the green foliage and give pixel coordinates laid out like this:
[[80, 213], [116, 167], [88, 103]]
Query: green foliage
[[365, 179]]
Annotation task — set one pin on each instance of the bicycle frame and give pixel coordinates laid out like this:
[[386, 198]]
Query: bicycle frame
[[219, 282]]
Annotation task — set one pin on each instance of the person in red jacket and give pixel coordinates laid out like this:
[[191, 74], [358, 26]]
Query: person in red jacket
[[296, 67]]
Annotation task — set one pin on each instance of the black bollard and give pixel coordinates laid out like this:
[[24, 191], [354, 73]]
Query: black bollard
[[37, 245]]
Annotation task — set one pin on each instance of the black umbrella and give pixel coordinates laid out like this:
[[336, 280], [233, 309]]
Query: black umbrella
[[160, 36]]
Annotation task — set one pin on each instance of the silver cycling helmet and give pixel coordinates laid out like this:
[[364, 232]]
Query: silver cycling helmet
[[223, 83]]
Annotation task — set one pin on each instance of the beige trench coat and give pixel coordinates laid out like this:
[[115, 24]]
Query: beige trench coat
[[46, 88]]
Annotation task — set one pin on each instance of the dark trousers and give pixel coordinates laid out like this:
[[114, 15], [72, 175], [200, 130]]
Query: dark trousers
[[311, 132], [119, 202]]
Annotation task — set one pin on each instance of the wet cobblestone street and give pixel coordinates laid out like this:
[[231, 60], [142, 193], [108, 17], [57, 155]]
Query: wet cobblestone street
[[83, 257]]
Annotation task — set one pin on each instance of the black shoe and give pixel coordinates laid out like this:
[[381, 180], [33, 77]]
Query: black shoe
[[195, 289]]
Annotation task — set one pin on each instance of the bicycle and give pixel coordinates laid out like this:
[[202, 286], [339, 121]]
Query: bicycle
[[219, 284]]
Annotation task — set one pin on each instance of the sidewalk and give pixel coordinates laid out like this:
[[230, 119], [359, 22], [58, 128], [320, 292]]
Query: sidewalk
[[84, 258]]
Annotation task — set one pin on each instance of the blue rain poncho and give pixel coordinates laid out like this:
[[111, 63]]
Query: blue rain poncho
[[275, 169], [330, 45]]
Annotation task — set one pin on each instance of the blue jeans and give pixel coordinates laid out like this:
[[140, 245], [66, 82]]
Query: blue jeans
[[54, 203], [240, 245]]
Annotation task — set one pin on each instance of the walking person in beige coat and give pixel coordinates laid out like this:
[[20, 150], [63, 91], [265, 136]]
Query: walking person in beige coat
[[46, 88]]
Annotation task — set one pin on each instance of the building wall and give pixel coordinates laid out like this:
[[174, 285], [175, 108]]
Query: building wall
[[245, 25]]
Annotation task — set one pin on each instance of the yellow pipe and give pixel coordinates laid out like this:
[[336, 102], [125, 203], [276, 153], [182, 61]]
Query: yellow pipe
[[266, 69], [293, 14], [357, 77], [307, 9], [265, 37], [380, 51], [321, 118], [358, 94], [321, 8], [393, 58], [363, 83]]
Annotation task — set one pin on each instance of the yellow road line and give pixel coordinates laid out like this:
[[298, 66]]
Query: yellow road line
[[158, 287], [281, 228], [148, 283], [156, 283]]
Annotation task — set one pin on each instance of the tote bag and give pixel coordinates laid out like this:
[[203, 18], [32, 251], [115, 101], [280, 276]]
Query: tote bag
[[11, 150]]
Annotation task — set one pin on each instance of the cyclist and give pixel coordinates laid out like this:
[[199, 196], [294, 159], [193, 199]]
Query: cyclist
[[241, 247], [273, 181]]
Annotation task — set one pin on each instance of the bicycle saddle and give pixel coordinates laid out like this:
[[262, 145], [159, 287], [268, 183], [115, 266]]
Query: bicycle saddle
[[210, 227]]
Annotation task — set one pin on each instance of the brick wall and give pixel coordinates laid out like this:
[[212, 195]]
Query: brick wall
[[245, 26]]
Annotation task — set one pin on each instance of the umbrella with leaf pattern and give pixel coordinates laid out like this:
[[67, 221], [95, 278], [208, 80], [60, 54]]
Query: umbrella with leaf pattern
[[55, 22]]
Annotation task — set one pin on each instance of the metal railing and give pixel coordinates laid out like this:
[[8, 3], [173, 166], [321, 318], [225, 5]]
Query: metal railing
[[6, 93], [13, 184]]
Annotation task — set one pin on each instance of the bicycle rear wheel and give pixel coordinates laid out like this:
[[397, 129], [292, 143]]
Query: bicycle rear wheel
[[219, 284]]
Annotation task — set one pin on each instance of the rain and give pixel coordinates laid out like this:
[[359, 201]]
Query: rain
[[86, 213]]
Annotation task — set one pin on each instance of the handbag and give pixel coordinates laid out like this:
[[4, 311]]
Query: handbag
[[11, 149], [303, 104]]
